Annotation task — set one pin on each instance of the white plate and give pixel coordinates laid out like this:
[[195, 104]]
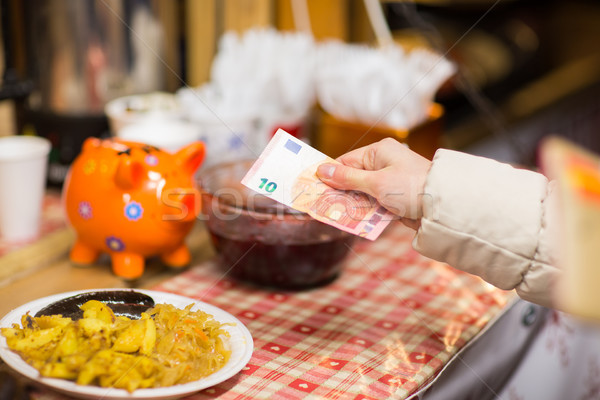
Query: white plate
[[241, 344]]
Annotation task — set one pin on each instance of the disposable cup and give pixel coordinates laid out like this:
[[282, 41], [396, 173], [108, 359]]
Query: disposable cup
[[23, 164]]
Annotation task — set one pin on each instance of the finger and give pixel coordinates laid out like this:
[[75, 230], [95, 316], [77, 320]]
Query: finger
[[354, 158], [374, 156], [344, 177]]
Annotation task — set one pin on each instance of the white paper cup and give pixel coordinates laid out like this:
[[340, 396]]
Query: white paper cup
[[23, 164]]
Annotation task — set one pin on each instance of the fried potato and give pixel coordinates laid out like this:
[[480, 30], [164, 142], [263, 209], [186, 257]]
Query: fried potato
[[38, 338], [139, 336], [98, 310]]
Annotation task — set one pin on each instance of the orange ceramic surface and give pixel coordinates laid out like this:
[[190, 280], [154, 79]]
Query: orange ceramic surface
[[132, 201]]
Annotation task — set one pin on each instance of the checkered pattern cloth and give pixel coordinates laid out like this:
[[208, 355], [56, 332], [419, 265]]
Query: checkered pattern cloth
[[384, 329], [52, 219]]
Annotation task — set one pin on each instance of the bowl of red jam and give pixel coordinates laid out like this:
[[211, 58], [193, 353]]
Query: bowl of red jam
[[263, 242]]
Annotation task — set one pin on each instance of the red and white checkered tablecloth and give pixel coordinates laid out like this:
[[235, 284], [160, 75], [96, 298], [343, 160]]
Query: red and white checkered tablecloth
[[52, 219], [383, 329]]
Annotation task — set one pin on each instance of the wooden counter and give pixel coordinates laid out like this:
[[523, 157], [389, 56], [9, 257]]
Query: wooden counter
[[42, 268], [385, 328]]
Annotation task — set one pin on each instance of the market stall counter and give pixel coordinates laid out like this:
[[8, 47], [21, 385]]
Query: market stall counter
[[385, 328]]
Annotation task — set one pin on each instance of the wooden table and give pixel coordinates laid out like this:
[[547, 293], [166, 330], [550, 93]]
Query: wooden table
[[41, 267]]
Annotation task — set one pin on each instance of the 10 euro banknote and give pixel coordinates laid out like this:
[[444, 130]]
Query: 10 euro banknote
[[286, 172]]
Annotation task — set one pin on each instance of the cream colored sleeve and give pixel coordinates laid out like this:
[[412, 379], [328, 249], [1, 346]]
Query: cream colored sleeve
[[492, 220]]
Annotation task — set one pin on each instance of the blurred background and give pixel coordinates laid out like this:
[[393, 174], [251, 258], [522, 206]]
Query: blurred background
[[524, 69]]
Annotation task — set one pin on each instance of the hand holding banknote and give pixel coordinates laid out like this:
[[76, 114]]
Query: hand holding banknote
[[286, 172], [388, 171]]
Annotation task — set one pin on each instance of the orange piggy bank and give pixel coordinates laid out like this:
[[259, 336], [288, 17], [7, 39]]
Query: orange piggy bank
[[132, 201]]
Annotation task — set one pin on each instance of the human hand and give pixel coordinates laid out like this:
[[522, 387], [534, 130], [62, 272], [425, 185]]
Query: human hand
[[387, 170]]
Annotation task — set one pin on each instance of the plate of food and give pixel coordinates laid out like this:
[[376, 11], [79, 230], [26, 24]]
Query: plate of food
[[124, 344]]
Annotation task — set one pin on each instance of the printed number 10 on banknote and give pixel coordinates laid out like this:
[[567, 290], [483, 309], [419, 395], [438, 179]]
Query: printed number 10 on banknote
[[286, 172]]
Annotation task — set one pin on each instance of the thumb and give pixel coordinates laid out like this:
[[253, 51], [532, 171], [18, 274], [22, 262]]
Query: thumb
[[343, 177]]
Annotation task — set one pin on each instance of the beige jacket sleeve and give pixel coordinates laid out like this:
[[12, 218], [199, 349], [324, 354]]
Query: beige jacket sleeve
[[491, 220]]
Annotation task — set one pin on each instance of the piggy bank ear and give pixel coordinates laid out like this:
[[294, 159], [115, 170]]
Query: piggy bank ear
[[129, 173], [191, 156], [91, 143]]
